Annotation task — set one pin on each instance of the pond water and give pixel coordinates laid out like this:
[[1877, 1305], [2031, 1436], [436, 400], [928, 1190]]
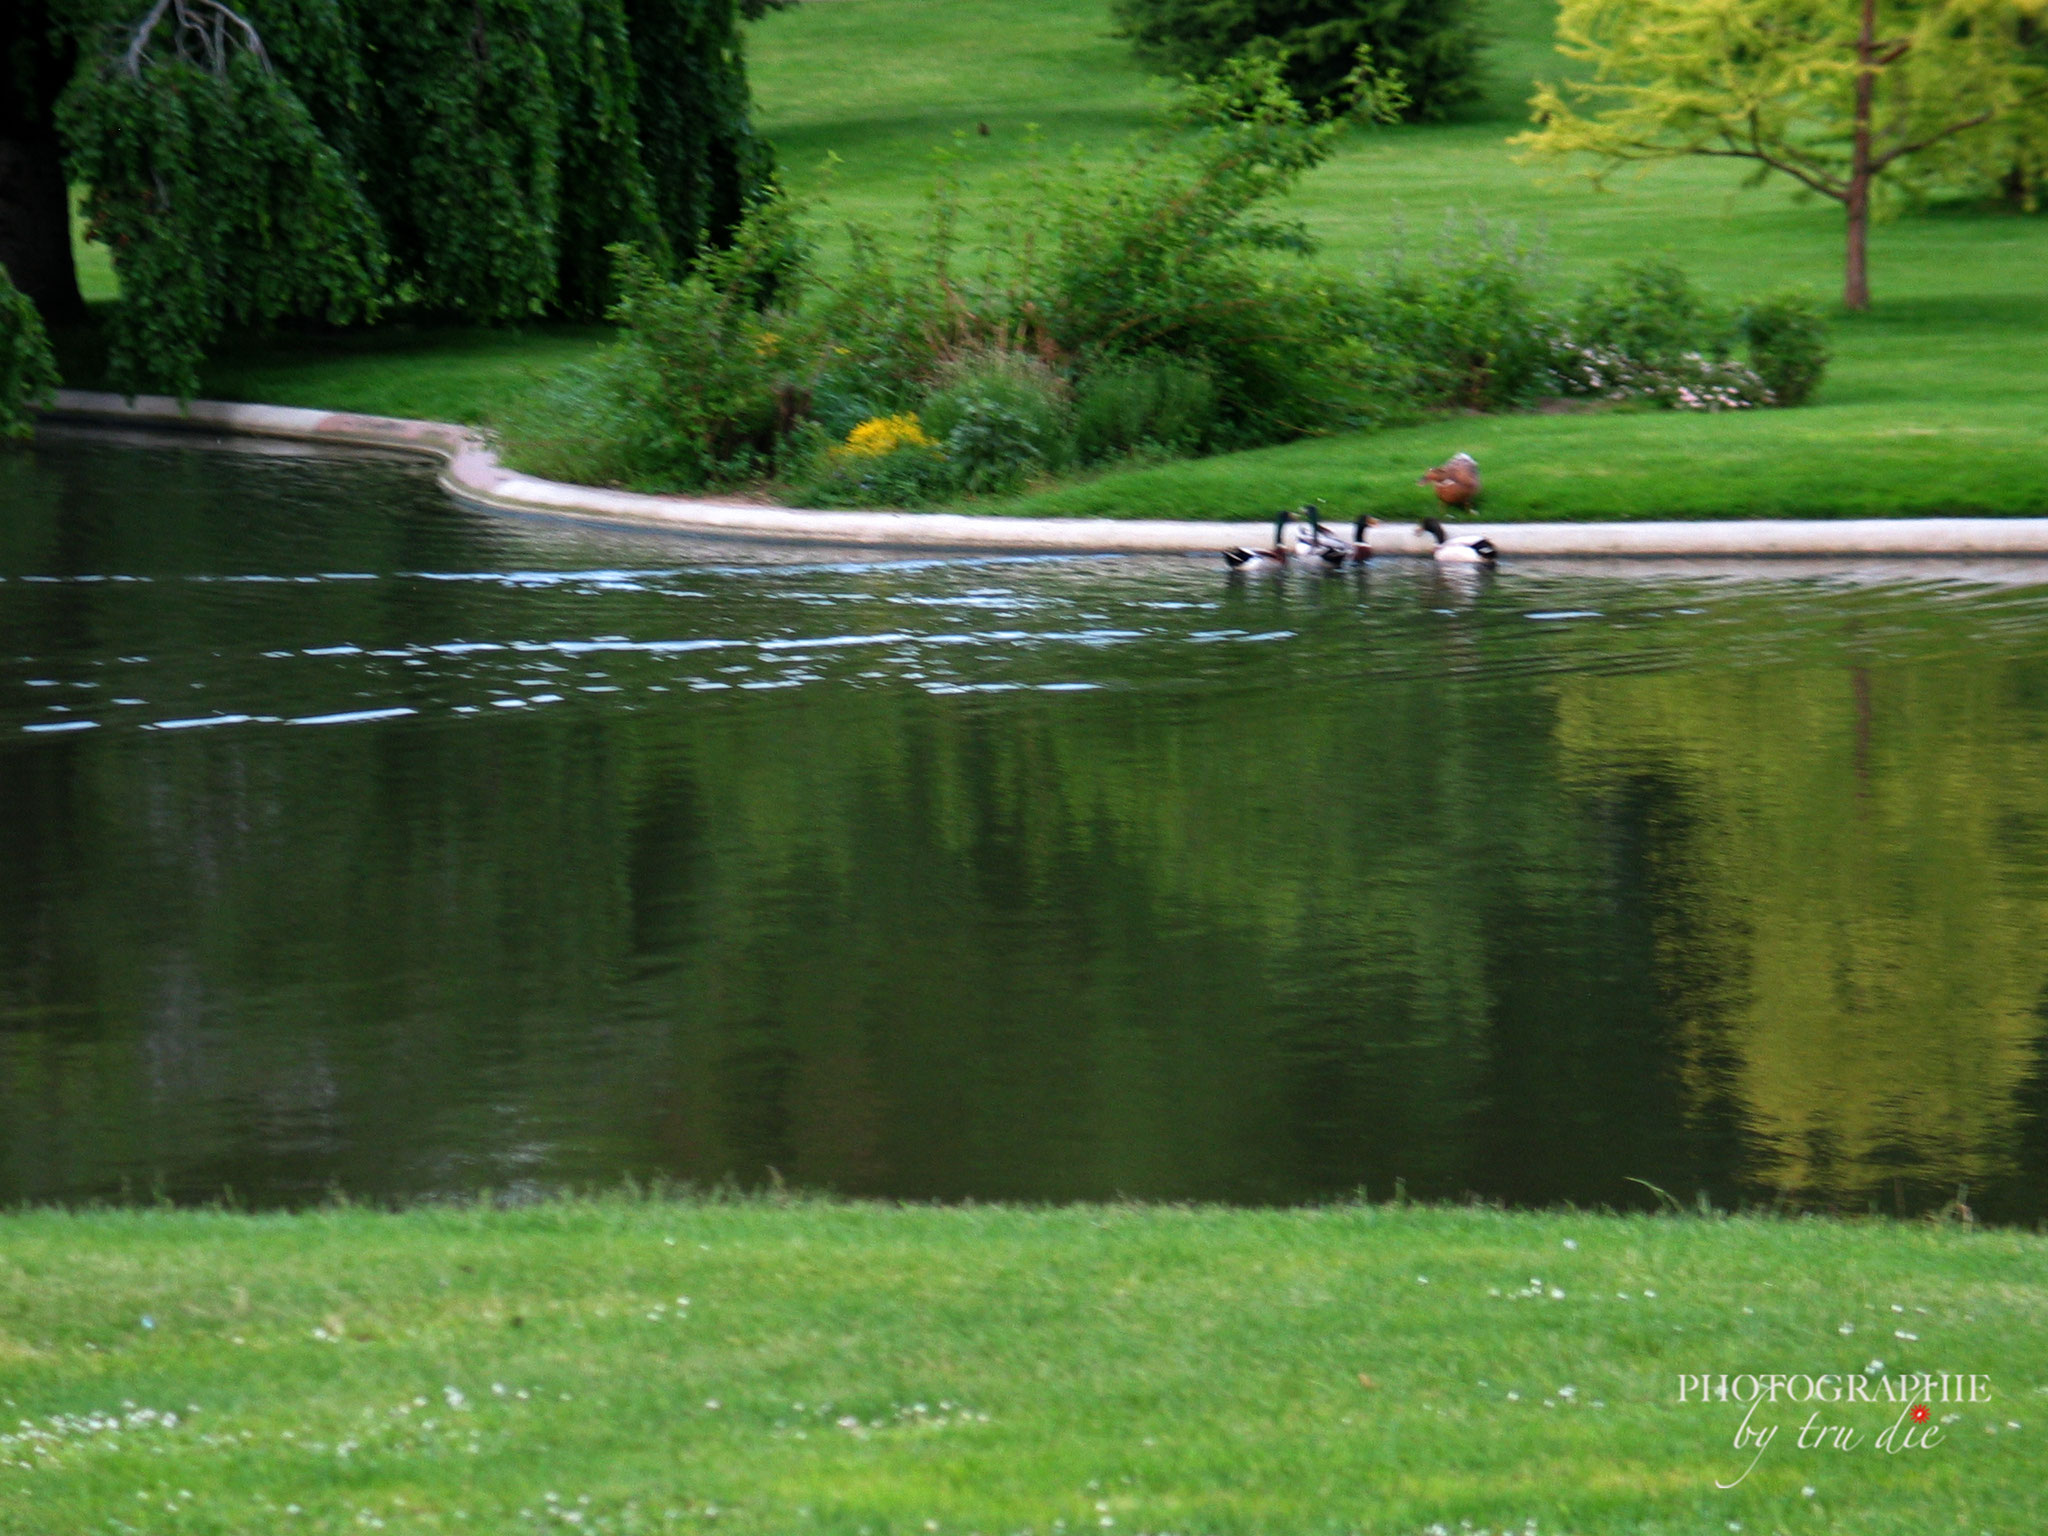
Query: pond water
[[353, 840]]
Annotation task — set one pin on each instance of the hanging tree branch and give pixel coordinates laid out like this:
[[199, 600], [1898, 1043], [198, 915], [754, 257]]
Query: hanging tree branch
[[202, 32]]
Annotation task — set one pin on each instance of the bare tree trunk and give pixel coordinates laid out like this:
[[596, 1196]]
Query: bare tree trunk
[[1856, 276], [35, 226], [35, 203]]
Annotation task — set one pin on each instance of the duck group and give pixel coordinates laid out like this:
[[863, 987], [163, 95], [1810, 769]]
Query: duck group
[[1313, 546]]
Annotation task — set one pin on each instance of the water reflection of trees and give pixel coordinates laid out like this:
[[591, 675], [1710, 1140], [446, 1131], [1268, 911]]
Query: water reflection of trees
[[1855, 904], [1369, 907]]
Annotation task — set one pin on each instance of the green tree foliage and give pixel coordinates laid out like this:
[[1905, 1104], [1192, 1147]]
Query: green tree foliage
[[314, 160], [1433, 45], [284, 232], [2014, 163], [27, 372], [1839, 95]]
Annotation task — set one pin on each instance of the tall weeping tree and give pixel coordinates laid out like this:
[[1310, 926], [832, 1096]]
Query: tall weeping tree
[[1844, 97], [249, 162]]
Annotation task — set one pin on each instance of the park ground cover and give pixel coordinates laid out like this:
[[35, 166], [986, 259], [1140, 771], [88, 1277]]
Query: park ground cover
[[633, 1365], [1937, 401]]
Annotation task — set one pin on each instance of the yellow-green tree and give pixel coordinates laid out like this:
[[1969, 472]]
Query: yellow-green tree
[[1836, 94]]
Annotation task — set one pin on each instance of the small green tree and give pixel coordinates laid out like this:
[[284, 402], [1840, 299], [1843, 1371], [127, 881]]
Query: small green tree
[[28, 374], [1839, 95], [1433, 45]]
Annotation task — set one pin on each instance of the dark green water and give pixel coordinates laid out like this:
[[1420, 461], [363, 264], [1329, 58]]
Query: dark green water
[[350, 839]]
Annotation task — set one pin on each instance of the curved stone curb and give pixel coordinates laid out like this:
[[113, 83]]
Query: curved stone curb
[[471, 473]]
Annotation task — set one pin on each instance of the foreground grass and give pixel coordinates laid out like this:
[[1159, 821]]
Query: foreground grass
[[861, 1368], [1937, 401]]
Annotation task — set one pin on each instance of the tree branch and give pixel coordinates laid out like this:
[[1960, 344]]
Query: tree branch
[[1824, 186], [1879, 162], [199, 35]]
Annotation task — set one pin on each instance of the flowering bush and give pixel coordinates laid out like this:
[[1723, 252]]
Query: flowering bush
[[894, 462], [1650, 311], [1688, 381], [879, 435]]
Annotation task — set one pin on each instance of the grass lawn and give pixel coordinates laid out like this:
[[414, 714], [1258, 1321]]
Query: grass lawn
[[1937, 402], [858, 1368]]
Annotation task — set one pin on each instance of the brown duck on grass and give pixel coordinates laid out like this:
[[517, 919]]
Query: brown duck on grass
[[1455, 481]]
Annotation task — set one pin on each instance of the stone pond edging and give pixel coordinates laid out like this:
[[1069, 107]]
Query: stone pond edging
[[470, 472]]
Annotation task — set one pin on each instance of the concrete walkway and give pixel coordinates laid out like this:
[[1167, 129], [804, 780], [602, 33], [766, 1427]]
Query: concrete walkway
[[471, 473]]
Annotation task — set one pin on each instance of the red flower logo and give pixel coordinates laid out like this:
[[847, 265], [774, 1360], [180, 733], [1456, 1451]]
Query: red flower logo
[[1920, 1414]]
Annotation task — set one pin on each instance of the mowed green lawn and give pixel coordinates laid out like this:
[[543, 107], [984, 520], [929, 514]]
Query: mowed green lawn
[[1937, 402], [626, 1366]]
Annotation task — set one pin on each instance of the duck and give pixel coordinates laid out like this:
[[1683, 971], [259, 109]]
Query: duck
[[1241, 556], [1465, 549], [1312, 544], [1316, 545], [1361, 538], [1455, 481]]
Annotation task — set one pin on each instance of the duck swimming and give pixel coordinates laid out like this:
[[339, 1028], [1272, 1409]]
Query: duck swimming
[[1465, 549], [1313, 545]]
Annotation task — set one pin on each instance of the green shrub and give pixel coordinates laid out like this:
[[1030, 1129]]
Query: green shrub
[[1467, 326], [28, 373], [1171, 252], [1788, 345], [1433, 45], [699, 386], [1002, 418], [1156, 406], [881, 328], [1649, 310]]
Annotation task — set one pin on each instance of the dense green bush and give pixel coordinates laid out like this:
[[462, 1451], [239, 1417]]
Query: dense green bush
[[1173, 252], [1002, 417], [697, 388], [1166, 253], [1467, 326], [1433, 45], [28, 373], [1156, 407], [1650, 311], [1788, 345]]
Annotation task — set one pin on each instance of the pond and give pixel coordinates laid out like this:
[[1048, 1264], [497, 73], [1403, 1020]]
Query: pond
[[352, 840]]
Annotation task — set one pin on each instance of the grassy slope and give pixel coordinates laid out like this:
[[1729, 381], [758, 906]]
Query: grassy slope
[[1937, 402], [1185, 1370]]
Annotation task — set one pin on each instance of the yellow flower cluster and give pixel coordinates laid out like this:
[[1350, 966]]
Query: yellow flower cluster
[[880, 435]]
